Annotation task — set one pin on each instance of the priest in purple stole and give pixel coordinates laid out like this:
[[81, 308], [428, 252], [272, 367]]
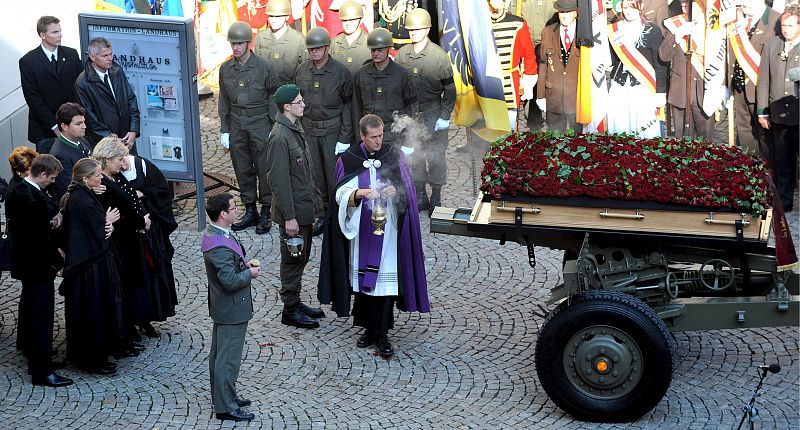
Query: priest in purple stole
[[379, 270]]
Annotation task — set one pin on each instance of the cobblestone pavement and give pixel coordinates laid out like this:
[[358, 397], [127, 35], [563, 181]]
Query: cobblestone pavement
[[467, 364]]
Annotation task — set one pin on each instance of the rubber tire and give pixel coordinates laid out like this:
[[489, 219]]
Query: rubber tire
[[625, 313]]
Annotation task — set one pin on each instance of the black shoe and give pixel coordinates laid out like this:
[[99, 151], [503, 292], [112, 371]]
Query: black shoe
[[237, 415], [149, 330], [105, 370], [243, 403], [127, 353], [52, 380], [312, 312], [422, 198], [436, 198], [264, 221], [365, 340], [384, 347], [249, 219], [297, 318], [319, 226]]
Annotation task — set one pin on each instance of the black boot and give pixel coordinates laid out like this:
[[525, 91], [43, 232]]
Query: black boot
[[296, 317], [422, 198], [436, 198], [264, 221], [248, 220], [319, 227]]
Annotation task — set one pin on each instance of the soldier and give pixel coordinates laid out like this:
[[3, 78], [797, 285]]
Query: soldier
[[556, 92], [296, 203], [245, 83], [328, 90], [350, 47], [382, 87], [433, 78], [282, 46]]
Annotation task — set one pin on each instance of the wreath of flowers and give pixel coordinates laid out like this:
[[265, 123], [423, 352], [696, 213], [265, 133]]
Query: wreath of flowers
[[622, 167]]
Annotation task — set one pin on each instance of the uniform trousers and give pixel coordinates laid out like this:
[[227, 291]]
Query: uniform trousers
[[321, 145], [784, 141], [248, 149], [224, 361], [374, 313], [291, 269], [428, 162], [702, 126], [748, 130]]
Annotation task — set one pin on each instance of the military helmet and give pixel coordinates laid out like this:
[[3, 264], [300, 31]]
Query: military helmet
[[317, 37], [240, 32], [418, 19], [350, 10], [279, 8], [379, 38]]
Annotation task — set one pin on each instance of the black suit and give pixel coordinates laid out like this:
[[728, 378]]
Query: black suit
[[45, 89], [68, 154], [34, 261]]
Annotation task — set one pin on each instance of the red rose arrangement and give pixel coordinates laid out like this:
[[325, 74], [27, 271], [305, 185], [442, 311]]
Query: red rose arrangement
[[622, 167]]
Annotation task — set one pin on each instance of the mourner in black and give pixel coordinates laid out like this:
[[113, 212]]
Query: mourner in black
[[71, 145]]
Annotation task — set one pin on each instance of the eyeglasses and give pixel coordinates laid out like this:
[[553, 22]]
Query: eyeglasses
[[299, 102], [231, 209]]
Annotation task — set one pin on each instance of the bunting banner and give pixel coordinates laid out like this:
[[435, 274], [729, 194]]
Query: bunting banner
[[592, 99], [698, 35], [716, 52], [746, 54], [634, 61]]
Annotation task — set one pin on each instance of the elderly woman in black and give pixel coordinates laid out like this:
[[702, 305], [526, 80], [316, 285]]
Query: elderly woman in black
[[128, 239], [153, 190], [91, 287]]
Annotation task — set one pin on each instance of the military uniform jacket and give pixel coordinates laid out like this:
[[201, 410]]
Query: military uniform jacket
[[537, 13], [244, 94], [382, 92], [558, 82], [328, 93], [230, 299], [766, 28], [671, 52], [433, 77], [352, 56], [284, 55], [289, 172], [776, 96]]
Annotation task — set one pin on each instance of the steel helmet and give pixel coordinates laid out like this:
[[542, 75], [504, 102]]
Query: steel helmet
[[279, 8], [418, 19], [240, 32], [379, 38], [317, 37], [350, 10]]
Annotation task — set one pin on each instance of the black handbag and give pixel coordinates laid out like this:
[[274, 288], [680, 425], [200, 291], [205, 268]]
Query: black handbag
[[5, 249]]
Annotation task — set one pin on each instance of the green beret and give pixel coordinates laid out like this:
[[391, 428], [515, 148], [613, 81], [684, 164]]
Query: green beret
[[286, 94]]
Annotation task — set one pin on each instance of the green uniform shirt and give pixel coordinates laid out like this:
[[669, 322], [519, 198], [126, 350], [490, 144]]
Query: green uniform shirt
[[536, 13], [284, 55], [352, 56], [246, 86], [433, 76], [382, 92], [328, 93], [289, 174]]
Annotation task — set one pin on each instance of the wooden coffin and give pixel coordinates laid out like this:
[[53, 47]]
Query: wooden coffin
[[689, 222]]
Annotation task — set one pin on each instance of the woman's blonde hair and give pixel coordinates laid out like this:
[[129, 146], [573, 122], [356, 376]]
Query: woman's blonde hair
[[109, 147]]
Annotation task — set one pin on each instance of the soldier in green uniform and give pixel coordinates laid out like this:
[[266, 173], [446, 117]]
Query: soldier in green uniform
[[245, 114], [350, 47], [327, 87], [296, 204], [433, 77], [281, 45], [382, 87]]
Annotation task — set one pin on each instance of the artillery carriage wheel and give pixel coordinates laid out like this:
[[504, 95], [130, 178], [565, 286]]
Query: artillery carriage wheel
[[605, 356]]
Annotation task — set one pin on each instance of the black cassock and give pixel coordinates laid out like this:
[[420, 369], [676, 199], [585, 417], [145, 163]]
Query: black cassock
[[91, 287]]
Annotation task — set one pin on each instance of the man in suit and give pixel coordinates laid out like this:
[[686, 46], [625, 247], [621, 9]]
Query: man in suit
[[105, 93], [230, 305], [557, 89], [35, 260], [777, 102], [48, 75], [70, 145]]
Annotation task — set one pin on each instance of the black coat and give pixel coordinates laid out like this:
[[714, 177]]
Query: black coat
[[34, 252], [68, 155], [107, 113], [45, 89]]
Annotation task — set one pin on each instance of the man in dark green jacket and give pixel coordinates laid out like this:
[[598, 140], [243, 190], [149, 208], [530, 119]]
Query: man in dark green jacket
[[295, 202], [230, 305]]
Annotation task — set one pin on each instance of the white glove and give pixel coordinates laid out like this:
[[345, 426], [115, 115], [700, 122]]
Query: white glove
[[441, 124], [528, 82], [407, 150], [542, 103], [341, 147], [512, 118], [225, 140]]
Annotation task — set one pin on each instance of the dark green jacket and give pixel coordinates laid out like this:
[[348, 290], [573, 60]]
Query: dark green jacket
[[229, 296]]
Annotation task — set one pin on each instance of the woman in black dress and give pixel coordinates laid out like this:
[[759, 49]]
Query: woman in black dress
[[91, 287]]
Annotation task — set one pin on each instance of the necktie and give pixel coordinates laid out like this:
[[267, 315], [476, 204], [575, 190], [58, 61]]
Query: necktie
[[54, 62], [108, 84], [567, 42]]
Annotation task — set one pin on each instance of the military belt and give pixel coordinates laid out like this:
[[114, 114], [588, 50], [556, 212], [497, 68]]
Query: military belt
[[251, 111], [430, 104], [321, 124]]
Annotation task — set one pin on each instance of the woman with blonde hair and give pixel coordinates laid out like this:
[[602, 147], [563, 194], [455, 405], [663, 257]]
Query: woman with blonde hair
[[91, 287]]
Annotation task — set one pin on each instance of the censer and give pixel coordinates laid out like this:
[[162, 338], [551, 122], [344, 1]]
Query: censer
[[379, 216]]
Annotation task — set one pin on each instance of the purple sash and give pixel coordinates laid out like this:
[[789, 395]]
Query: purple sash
[[370, 246], [211, 241]]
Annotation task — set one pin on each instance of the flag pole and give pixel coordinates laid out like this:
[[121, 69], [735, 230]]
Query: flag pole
[[687, 116], [729, 102], [473, 174]]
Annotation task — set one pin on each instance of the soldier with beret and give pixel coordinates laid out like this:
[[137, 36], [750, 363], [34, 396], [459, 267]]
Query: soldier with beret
[[296, 203]]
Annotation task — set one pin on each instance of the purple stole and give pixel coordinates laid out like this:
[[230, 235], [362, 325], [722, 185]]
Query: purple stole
[[211, 241], [370, 246]]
